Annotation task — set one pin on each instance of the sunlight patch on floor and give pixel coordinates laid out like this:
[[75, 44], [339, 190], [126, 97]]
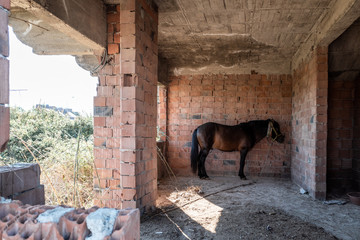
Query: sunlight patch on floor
[[196, 210]]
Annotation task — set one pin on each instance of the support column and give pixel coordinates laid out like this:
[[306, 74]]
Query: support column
[[125, 109], [4, 74]]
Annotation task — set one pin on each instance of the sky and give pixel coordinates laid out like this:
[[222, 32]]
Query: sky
[[54, 80]]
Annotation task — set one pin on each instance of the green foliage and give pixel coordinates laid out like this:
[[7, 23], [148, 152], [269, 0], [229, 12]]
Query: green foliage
[[43, 130], [66, 170]]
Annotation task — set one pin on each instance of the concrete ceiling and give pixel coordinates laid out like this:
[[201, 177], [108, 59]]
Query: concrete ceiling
[[208, 36], [235, 35]]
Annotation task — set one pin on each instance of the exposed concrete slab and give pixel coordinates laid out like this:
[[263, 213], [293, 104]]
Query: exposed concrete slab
[[195, 36], [332, 23], [234, 36], [66, 27]]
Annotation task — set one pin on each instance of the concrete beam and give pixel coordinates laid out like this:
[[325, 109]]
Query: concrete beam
[[333, 22], [71, 27]]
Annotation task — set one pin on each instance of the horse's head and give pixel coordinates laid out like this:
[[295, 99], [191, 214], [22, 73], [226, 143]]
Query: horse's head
[[274, 131]]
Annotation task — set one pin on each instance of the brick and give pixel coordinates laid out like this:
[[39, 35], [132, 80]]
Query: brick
[[127, 5], [128, 181], [113, 143], [113, 102], [112, 163], [5, 4], [131, 205], [35, 196], [99, 101], [127, 29], [4, 127], [18, 178], [103, 111], [99, 122], [4, 37], [128, 143], [100, 153], [128, 42], [4, 80], [127, 169], [105, 174], [129, 105], [112, 80], [113, 48], [99, 142], [116, 38], [99, 163], [114, 183], [127, 17], [128, 131], [113, 17], [128, 67], [128, 54], [129, 194], [128, 118], [112, 122], [103, 132], [128, 156], [104, 91]]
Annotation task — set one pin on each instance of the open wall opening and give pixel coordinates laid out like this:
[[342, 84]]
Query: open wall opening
[[51, 128], [343, 161]]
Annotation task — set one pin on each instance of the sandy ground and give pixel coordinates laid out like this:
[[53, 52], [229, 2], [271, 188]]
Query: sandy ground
[[228, 208]]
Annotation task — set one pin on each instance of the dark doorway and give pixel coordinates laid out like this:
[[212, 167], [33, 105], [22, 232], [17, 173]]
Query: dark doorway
[[343, 145]]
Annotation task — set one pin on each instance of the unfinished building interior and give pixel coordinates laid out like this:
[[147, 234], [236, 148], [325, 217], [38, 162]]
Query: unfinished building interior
[[225, 61]]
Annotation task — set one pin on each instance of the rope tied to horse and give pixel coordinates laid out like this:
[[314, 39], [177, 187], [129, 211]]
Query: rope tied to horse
[[272, 129]]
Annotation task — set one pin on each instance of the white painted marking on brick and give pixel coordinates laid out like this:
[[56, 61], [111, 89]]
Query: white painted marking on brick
[[53, 215], [101, 222]]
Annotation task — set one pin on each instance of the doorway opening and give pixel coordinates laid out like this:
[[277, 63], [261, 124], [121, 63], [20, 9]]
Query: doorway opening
[[343, 144]]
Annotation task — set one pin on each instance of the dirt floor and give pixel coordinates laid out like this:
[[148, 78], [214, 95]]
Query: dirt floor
[[228, 208]]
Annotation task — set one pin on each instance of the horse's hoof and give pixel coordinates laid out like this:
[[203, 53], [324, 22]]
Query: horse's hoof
[[204, 177]]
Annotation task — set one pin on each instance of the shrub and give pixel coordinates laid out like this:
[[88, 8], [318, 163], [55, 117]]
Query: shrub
[[53, 139]]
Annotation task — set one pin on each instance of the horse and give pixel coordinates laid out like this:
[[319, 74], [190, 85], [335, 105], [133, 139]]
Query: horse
[[241, 137]]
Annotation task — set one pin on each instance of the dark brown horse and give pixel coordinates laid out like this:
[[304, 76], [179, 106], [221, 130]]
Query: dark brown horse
[[241, 137]]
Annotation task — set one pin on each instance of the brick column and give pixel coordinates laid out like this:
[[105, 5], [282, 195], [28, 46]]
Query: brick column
[[309, 124], [125, 109], [4, 75]]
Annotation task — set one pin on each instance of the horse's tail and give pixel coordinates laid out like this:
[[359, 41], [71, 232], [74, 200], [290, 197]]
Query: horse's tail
[[194, 151]]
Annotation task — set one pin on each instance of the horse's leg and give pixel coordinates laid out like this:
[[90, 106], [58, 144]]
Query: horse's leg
[[202, 171], [243, 154]]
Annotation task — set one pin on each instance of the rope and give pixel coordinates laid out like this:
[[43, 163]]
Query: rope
[[101, 64]]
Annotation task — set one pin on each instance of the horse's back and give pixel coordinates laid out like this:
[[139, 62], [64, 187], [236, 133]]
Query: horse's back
[[222, 137]]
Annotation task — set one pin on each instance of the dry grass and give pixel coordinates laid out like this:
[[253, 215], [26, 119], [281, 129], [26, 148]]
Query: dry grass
[[62, 147]]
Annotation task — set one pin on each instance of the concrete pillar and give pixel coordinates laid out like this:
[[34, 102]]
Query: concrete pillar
[[125, 109], [4, 74]]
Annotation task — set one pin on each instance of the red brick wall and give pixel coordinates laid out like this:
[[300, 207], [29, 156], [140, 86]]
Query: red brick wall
[[107, 122], [229, 99], [125, 109], [309, 124], [4, 75], [340, 132]]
